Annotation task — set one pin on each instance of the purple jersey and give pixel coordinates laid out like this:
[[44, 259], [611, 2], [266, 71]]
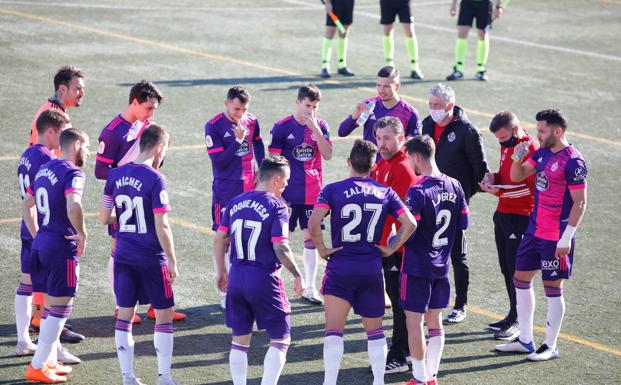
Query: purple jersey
[[29, 163], [233, 163], [255, 220], [439, 205], [137, 192], [556, 174], [297, 143], [402, 110], [117, 141], [54, 180], [359, 208]]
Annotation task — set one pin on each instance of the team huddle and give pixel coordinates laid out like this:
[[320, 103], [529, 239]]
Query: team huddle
[[396, 205]]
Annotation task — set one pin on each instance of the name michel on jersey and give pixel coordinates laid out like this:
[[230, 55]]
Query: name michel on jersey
[[445, 196], [128, 181], [362, 189], [254, 205], [49, 174]]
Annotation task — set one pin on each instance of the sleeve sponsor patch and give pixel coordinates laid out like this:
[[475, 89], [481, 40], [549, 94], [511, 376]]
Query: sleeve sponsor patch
[[77, 182], [208, 141], [102, 147], [164, 197]]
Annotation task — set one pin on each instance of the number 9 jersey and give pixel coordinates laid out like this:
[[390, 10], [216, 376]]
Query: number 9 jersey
[[439, 206], [137, 192]]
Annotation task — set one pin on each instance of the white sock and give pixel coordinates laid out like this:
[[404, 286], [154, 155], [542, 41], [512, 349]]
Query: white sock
[[378, 350], [163, 342], [435, 345], [23, 311], [125, 347], [525, 301], [419, 371], [332, 356], [111, 273], [274, 362], [49, 332], [52, 359], [556, 310], [310, 267], [238, 362]]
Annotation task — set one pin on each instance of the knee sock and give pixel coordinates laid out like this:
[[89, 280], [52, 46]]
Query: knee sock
[[389, 49], [525, 299], [461, 46], [23, 311], [125, 347], [310, 264], [111, 273], [332, 356], [412, 46], [50, 330], [482, 53], [238, 362], [556, 310], [419, 372], [163, 342], [274, 362], [435, 345], [378, 350], [326, 53], [341, 51]]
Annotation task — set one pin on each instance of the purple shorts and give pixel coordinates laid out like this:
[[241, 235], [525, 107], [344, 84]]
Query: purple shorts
[[538, 254], [54, 268], [419, 294], [25, 256], [217, 210], [142, 284], [365, 293], [299, 214], [255, 294]]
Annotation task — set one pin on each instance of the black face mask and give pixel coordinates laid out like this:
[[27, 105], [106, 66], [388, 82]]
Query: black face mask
[[511, 142]]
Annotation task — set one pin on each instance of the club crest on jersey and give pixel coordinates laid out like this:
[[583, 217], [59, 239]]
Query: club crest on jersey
[[451, 137], [244, 148], [303, 152], [541, 181], [554, 166]]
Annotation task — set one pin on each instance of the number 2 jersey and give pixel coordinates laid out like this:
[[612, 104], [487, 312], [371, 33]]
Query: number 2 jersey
[[439, 206], [256, 220], [359, 207], [137, 192]]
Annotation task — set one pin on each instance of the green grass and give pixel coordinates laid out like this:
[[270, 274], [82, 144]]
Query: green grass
[[196, 50]]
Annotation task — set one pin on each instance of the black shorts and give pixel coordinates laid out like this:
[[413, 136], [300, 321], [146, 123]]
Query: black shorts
[[389, 9], [344, 10], [480, 10]]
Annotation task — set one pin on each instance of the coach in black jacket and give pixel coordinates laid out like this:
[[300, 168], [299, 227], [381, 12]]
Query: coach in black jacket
[[460, 155]]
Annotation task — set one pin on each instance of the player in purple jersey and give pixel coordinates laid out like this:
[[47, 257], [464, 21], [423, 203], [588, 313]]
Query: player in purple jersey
[[49, 126], [439, 205], [353, 277], [548, 244], [304, 139], [145, 265], [57, 247], [258, 224], [386, 103], [235, 148]]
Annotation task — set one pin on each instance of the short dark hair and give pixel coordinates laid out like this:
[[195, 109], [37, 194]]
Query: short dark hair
[[153, 136], [552, 117], [389, 121], [143, 91], [422, 145], [238, 92], [51, 118], [503, 119], [309, 91], [272, 165], [388, 72], [71, 135], [65, 74], [362, 156]]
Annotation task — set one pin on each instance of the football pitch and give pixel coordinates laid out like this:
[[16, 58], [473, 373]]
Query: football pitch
[[543, 54]]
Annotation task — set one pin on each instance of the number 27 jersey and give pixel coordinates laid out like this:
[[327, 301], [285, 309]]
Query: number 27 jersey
[[439, 206], [137, 192]]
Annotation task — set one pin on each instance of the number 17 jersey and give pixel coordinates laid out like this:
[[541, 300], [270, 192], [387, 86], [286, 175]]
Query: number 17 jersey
[[137, 192], [439, 206]]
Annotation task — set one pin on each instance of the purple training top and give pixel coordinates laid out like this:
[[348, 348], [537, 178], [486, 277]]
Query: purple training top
[[29, 163]]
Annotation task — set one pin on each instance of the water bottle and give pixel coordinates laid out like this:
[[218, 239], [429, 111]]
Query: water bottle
[[362, 119], [517, 156]]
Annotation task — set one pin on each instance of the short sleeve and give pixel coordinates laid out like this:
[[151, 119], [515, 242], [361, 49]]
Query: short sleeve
[[107, 200], [276, 141], [414, 202], [325, 129], [108, 147], [533, 158], [159, 196], [576, 173], [395, 204], [323, 199], [74, 182], [415, 125], [280, 225], [213, 139], [224, 221]]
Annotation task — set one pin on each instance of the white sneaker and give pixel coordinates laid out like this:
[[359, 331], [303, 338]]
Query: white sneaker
[[516, 346], [132, 381], [25, 348], [223, 300], [455, 316], [312, 296], [166, 381], [64, 356], [544, 353]]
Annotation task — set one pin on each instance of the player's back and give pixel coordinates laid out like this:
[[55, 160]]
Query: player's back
[[53, 182], [137, 192], [255, 220], [117, 139], [359, 207], [29, 163], [439, 206]]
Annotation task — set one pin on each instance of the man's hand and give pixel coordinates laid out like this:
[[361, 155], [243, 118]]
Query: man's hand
[[453, 9], [326, 253], [498, 11], [310, 120], [488, 178], [328, 6], [298, 285], [80, 238], [222, 280], [488, 188], [239, 131], [173, 273], [358, 110], [386, 251]]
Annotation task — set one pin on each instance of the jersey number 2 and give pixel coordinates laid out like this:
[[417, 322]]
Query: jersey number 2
[[443, 218]]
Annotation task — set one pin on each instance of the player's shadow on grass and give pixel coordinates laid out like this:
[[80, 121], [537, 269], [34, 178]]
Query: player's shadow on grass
[[479, 368], [346, 376], [467, 337]]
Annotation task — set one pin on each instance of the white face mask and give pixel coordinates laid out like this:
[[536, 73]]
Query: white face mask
[[437, 115]]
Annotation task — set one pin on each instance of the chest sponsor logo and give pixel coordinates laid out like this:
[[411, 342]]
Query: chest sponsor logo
[[541, 181], [303, 152], [244, 149], [451, 137]]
